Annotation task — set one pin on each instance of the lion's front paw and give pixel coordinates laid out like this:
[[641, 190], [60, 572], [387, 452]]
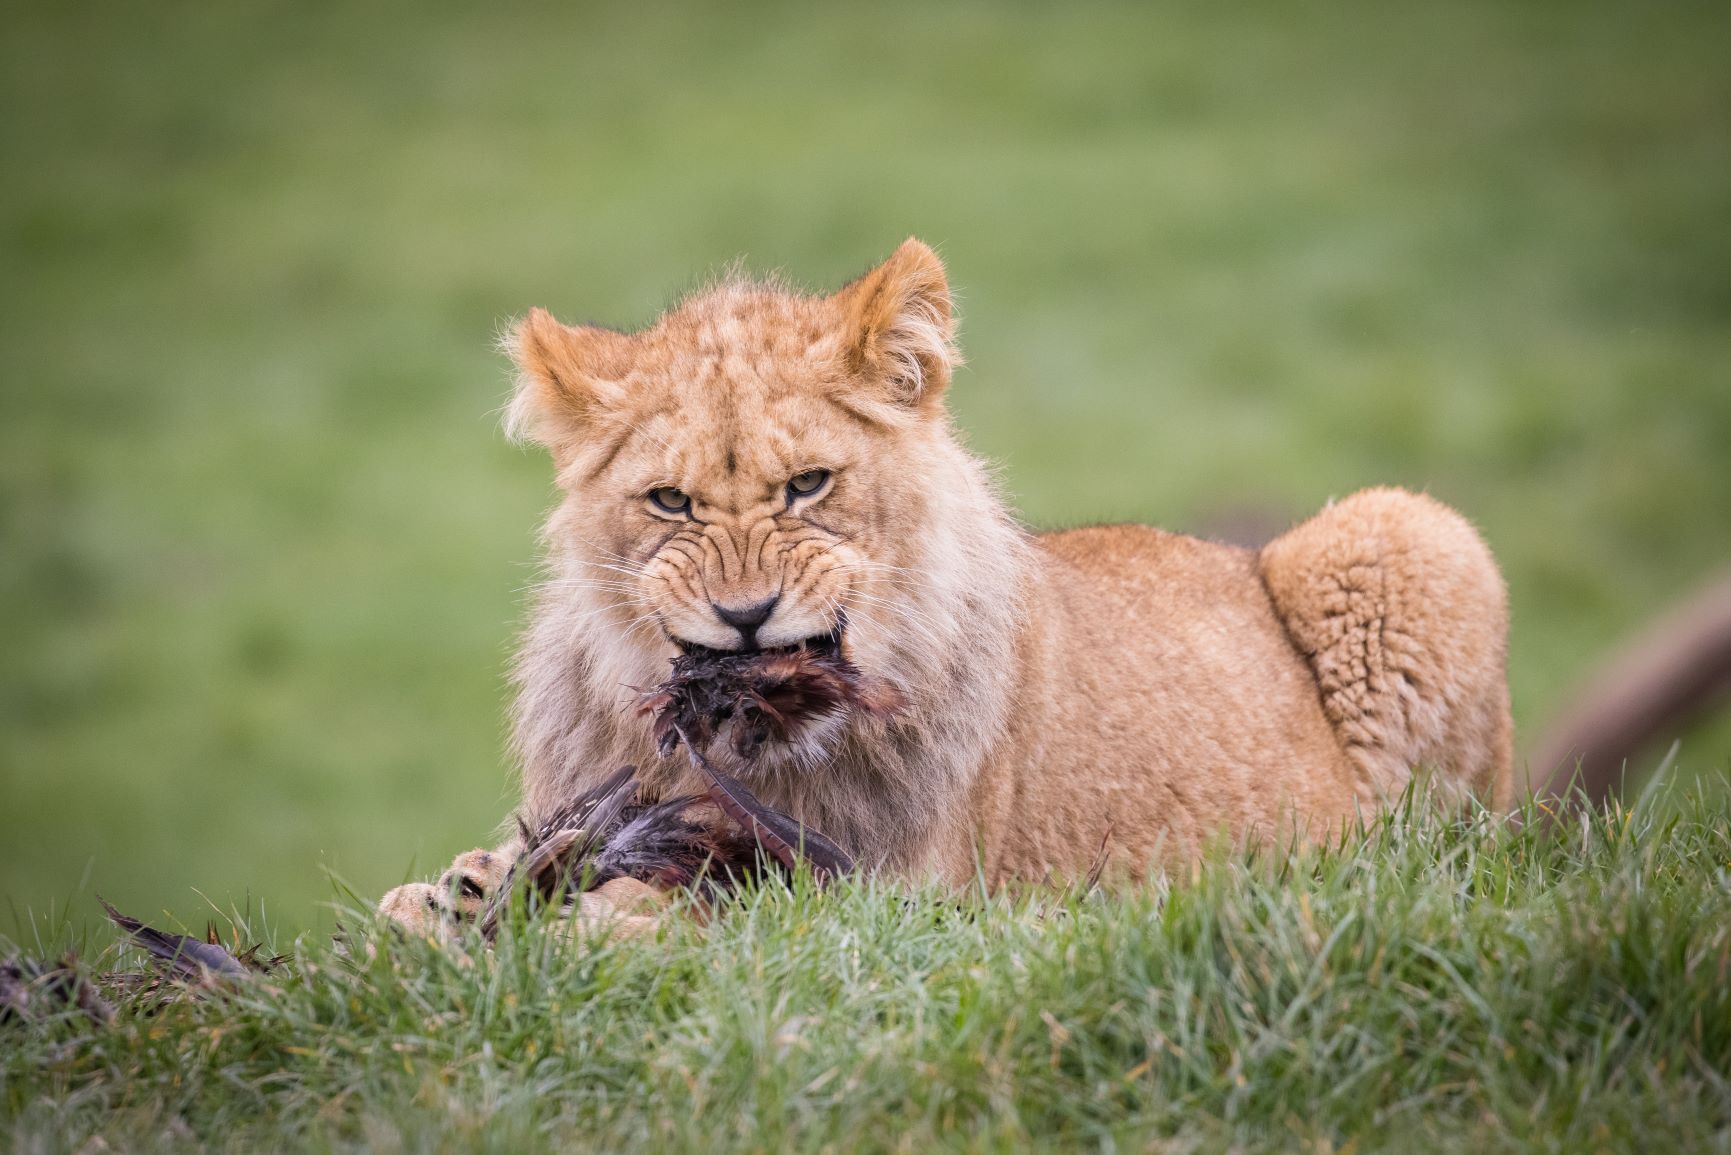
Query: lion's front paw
[[441, 909], [471, 882], [622, 908], [419, 908]]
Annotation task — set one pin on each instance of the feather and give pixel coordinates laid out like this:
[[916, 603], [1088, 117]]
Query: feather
[[579, 812], [786, 839], [763, 695], [607, 832], [187, 957], [667, 846], [767, 694], [29, 988], [554, 851], [603, 818]]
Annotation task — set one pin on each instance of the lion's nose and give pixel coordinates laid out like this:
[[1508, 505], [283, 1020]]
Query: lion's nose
[[746, 619]]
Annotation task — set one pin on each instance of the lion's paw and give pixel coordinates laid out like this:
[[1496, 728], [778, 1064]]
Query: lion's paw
[[621, 908], [441, 909], [419, 908], [472, 880]]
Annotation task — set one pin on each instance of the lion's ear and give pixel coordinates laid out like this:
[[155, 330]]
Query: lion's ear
[[901, 324], [565, 374]]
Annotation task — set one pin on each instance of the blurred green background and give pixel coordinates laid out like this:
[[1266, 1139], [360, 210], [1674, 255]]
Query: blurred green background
[[263, 551]]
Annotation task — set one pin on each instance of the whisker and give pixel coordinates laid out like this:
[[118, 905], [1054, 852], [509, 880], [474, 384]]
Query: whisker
[[587, 584], [923, 627]]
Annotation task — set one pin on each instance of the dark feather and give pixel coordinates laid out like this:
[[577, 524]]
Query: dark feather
[[29, 988], [557, 851], [604, 817], [607, 832], [783, 837], [768, 694], [186, 957], [667, 846], [576, 814], [763, 695], [677, 843]]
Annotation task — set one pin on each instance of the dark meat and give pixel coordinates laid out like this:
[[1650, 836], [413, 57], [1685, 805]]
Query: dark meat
[[766, 694], [607, 833], [683, 843]]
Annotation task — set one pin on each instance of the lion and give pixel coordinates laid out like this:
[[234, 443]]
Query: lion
[[762, 468]]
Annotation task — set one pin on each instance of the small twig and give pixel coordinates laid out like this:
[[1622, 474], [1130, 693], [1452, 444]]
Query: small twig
[[1099, 867], [1658, 684]]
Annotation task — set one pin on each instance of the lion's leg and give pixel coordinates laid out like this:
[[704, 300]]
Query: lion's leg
[[621, 908], [1399, 607]]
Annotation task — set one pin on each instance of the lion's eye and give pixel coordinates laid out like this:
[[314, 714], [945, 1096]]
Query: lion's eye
[[670, 500], [807, 483]]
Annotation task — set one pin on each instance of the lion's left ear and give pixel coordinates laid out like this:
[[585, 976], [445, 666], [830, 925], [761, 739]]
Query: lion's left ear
[[902, 325], [567, 375]]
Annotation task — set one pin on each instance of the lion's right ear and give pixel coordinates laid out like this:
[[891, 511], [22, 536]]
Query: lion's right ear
[[901, 325], [565, 374]]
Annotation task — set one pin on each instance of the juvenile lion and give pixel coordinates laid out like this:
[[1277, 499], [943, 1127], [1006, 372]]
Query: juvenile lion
[[760, 468]]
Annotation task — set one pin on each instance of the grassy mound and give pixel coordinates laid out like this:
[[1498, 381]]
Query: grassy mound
[[1436, 983]]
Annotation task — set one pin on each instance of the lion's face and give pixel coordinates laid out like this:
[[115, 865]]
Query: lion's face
[[735, 516], [757, 469]]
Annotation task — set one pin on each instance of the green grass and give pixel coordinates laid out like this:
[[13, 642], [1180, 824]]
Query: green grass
[[262, 550], [1447, 985]]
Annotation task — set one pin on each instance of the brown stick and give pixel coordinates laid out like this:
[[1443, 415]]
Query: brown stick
[[1651, 689]]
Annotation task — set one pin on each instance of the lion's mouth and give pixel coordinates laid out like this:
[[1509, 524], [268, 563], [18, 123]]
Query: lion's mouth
[[765, 698], [818, 645]]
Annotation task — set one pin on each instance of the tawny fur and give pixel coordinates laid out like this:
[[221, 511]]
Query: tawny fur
[[1115, 684]]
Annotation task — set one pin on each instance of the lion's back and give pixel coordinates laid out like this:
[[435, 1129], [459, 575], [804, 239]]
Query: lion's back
[[1391, 601], [1163, 700], [1177, 688]]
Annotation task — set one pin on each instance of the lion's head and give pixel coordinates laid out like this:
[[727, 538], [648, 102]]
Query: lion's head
[[760, 469]]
